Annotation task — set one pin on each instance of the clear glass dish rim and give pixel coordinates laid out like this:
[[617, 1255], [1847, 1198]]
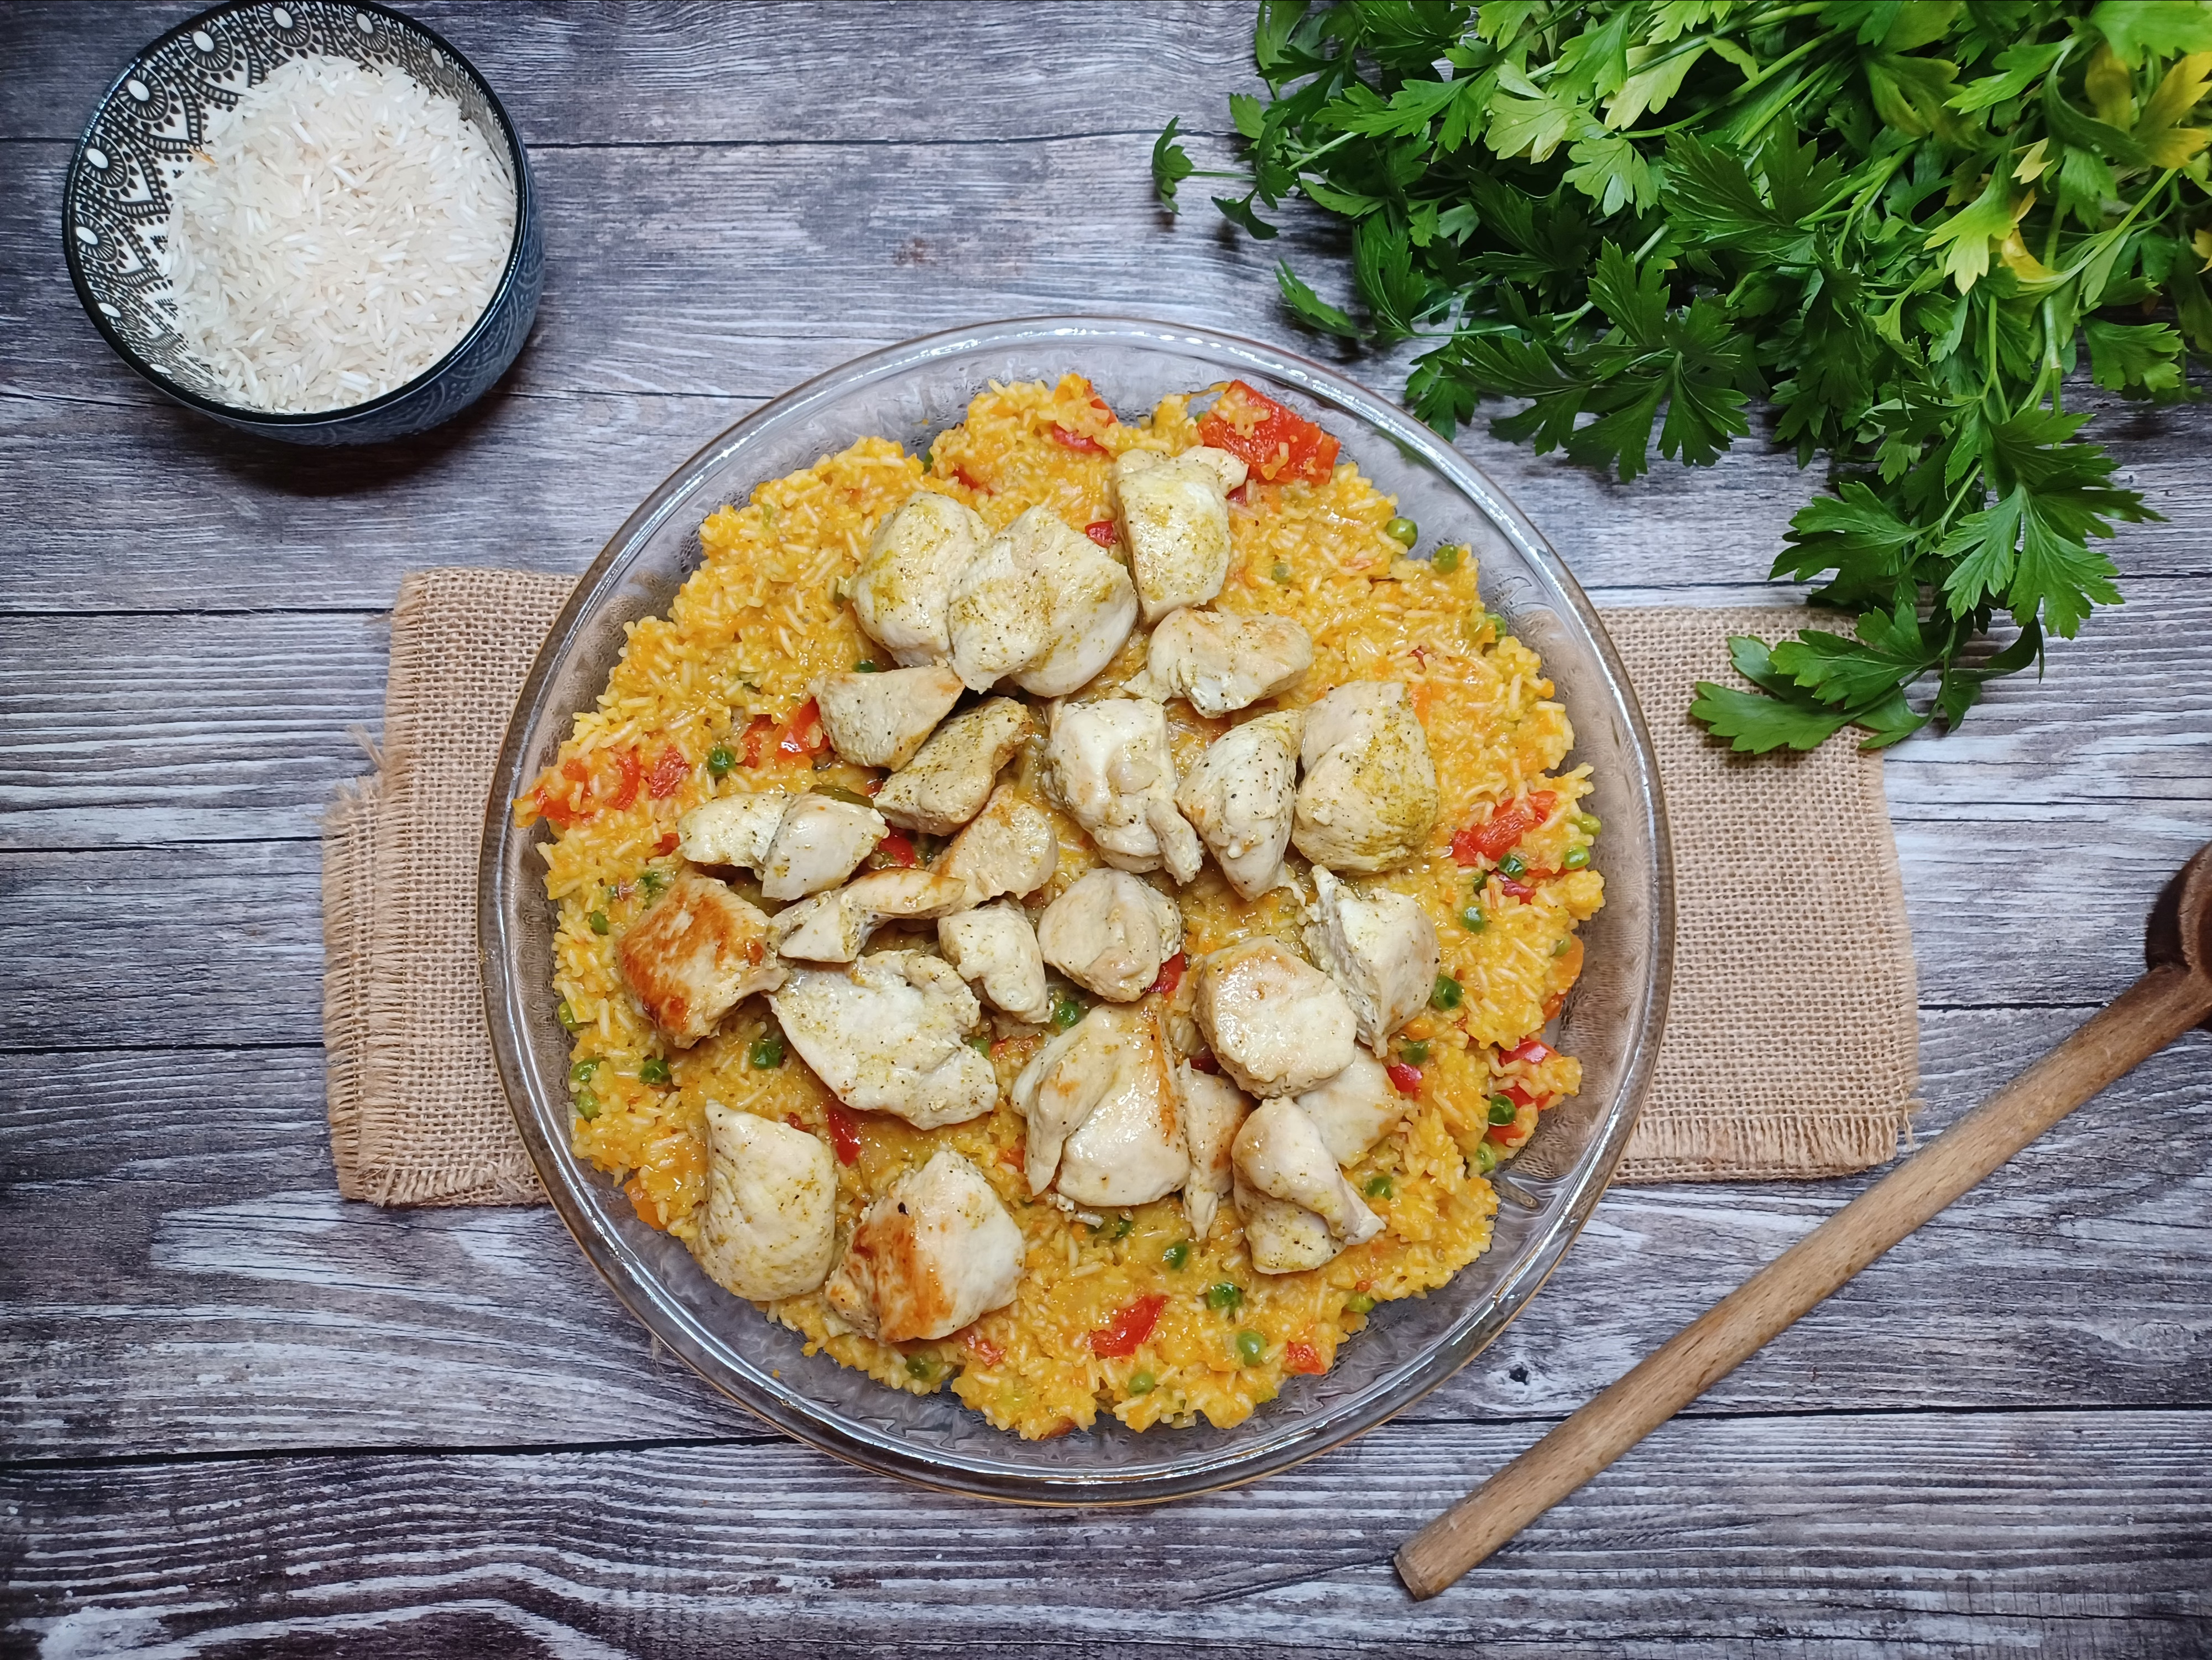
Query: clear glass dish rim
[[1268, 1449]]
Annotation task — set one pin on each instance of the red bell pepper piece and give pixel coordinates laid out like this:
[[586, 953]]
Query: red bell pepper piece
[[803, 735], [1170, 976], [758, 731], [668, 773], [1273, 441], [844, 1134], [1533, 1050], [897, 848], [632, 772], [1405, 1080], [1076, 440], [1119, 1337], [1100, 530], [1303, 1357]]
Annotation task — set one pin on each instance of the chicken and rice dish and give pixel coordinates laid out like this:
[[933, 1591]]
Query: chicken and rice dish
[[1070, 918]]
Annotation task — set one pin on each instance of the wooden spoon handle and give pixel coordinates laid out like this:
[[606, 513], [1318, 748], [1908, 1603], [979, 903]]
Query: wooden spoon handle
[[2143, 1019]]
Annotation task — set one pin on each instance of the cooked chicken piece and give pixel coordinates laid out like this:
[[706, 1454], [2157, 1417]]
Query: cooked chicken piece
[[834, 926], [1213, 1109], [890, 1034], [1222, 663], [1370, 797], [1278, 1026], [1110, 933], [880, 720], [1380, 948], [950, 777], [1101, 1111], [818, 843], [1354, 1110], [1279, 1153], [1240, 797], [695, 955], [734, 830], [1175, 522], [1042, 605], [769, 1227], [1280, 1237], [1011, 847], [995, 946], [1112, 770], [905, 583], [935, 1252]]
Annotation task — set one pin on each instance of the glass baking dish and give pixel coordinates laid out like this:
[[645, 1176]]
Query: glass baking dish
[[910, 393]]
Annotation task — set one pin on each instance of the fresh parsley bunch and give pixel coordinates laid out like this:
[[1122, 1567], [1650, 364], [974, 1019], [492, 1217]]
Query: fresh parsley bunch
[[1898, 223]]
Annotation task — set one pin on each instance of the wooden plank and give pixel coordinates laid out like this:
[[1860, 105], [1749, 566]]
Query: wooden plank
[[229, 1301], [706, 73], [2068, 1534], [662, 302], [202, 729]]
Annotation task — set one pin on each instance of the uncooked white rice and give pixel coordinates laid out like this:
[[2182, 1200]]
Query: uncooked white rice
[[339, 231]]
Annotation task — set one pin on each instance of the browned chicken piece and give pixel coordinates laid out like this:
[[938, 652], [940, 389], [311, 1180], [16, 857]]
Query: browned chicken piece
[[1011, 847], [904, 586], [695, 955], [1213, 1109], [1241, 796], [1041, 605], [1101, 1113], [1370, 797], [950, 776], [1110, 933], [935, 1252], [880, 720], [1222, 663], [833, 927], [1278, 1025], [1173, 513], [1380, 948]]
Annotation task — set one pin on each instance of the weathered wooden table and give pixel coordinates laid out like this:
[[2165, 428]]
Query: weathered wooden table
[[242, 1416]]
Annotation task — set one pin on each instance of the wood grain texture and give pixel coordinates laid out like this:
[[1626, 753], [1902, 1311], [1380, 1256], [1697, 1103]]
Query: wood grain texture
[[1993, 1440], [1765, 1536], [230, 1302]]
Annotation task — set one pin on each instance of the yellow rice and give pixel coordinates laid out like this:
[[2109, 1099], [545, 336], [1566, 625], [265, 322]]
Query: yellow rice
[[765, 614]]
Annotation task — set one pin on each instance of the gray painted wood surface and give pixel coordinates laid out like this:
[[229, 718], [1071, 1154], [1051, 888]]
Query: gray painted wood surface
[[244, 1417]]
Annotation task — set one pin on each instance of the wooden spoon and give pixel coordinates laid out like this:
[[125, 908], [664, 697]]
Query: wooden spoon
[[2174, 993]]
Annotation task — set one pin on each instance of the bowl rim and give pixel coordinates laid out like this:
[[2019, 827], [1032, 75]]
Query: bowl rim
[[775, 1400], [301, 420]]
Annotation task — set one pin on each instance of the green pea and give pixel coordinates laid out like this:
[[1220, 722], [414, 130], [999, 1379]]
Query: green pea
[[980, 1043], [653, 1070], [1378, 1187], [1402, 530], [1359, 1303], [1574, 859], [920, 1366], [582, 1071], [766, 1054], [720, 760], [1250, 1347], [1065, 1012], [652, 881], [1447, 992], [1561, 945], [1281, 572], [1497, 623], [1589, 822], [1502, 1109], [597, 920], [864, 667], [1445, 560], [1177, 1255], [1486, 1157], [1142, 1382], [1123, 1227], [1413, 1055], [1473, 920], [1513, 866], [588, 1105], [566, 1016], [1223, 1295]]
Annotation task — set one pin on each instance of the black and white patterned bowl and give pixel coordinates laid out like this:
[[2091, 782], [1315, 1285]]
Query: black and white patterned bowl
[[115, 205]]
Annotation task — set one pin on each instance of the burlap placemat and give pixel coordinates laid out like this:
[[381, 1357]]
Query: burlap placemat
[[1791, 1047]]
